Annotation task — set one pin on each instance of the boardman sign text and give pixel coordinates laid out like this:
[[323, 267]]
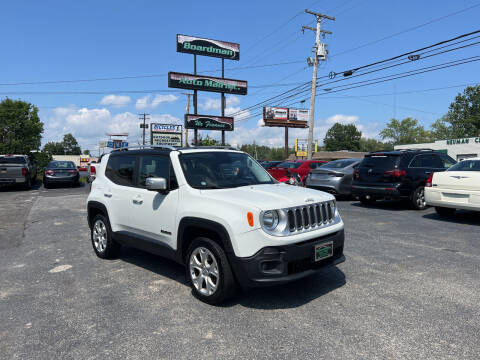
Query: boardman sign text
[[208, 47]]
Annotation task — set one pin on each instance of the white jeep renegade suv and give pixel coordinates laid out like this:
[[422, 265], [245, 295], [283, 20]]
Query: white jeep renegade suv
[[216, 211]]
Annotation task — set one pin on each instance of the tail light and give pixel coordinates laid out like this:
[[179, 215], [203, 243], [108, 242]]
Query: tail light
[[24, 171], [396, 173], [93, 170], [429, 180], [74, 172], [356, 174], [49, 172]]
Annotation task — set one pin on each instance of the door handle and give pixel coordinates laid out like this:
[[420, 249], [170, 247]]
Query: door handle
[[137, 201], [428, 172], [109, 195]]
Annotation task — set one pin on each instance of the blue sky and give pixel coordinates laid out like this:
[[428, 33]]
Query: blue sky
[[85, 40]]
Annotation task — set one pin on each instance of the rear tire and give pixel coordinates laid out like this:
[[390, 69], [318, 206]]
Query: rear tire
[[101, 234], [417, 200], [28, 183], [208, 271], [367, 201], [443, 211]]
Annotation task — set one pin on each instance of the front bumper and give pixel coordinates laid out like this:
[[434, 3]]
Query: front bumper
[[274, 265]]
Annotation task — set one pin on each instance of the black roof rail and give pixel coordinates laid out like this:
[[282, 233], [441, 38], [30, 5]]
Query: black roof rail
[[138, 147], [225, 147]]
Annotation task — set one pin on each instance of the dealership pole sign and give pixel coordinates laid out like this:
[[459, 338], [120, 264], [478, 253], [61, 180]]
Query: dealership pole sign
[[214, 48], [208, 122], [208, 47], [166, 134], [206, 83]]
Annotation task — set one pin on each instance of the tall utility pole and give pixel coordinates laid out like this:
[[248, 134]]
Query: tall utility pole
[[188, 112], [320, 52], [144, 125]]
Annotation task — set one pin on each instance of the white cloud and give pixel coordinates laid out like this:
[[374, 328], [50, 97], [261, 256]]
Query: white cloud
[[158, 99], [342, 119], [90, 125], [145, 103], [115, 100], [215, 104], [142, 103]]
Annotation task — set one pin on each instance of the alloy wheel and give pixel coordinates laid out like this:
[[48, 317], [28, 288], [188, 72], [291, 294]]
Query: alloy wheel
[[99, 236], [204, 271]]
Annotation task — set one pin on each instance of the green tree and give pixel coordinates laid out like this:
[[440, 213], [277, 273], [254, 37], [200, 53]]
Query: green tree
[[70, 145], [406, 131], [20, 127], [342, 137], [42, 158], [368, 145], [86, 152], [463, 116], [54, 148], [441, 130], [207, 141]]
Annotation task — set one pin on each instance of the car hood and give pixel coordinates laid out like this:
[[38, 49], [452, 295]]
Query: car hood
[[268, 196]]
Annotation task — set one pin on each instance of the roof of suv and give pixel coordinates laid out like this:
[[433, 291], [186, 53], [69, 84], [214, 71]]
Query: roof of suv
[[401, 151], [148, 149]]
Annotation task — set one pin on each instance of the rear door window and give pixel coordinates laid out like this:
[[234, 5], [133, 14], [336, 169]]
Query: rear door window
[[431, 161], [120, 169]]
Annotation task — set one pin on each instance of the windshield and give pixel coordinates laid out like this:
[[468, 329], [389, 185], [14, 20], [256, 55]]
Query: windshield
[[290, 165], [339, 164], [219, 170], [466, 165], [12, 160], [61, 165]]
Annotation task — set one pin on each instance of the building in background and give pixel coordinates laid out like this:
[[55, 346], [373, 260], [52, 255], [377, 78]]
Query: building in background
[[458, 149]]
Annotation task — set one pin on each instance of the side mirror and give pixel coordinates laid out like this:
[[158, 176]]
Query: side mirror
[[156, 184]]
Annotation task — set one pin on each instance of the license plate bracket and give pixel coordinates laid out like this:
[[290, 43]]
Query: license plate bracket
[[323, 251]]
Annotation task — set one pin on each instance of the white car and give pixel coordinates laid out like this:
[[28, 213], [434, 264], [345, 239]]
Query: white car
[[456, 188], [216, 211]]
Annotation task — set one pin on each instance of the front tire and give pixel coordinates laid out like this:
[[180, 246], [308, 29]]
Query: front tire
[[101, 234], [208, 271], [417, 199], [443, 211]]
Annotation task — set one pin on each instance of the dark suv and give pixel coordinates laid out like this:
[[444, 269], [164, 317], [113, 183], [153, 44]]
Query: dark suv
[[398, 174]]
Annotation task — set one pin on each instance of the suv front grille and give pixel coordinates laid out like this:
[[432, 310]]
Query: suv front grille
[[311, 216]]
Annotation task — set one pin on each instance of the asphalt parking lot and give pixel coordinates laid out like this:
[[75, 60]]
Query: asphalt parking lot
[[409, 289]]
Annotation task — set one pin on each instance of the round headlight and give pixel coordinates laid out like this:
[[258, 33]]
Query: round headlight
[[270, 219]]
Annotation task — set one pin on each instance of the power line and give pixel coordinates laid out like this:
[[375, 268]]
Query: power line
[[392, 77], [306, 84], [406, 30]]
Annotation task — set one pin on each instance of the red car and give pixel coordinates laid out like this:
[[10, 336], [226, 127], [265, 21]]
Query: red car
[[301, 167]]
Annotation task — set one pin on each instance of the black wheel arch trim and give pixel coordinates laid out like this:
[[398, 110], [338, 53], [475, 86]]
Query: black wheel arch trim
[[208, 225], [98, 206]]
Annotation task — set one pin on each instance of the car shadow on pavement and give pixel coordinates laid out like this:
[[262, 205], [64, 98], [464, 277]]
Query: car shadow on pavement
[[154, 263], [460, 217], [291, 295], [286, 296], [394, 205], [19, 188]]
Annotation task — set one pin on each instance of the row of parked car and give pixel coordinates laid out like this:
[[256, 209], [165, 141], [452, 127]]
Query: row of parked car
[[21, 170], [423, 177]]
